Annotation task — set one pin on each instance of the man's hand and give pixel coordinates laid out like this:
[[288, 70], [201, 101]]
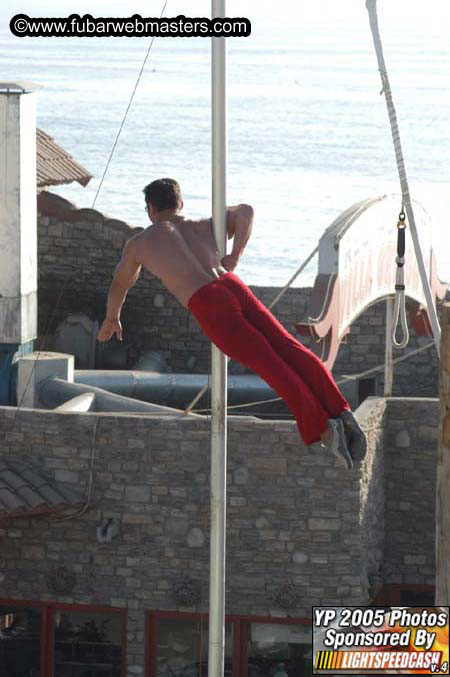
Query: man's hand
[[108, 328], [229, 262], [239, 227], [125, 276]]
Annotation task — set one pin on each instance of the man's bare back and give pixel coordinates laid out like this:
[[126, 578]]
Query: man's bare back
[[182, 253]]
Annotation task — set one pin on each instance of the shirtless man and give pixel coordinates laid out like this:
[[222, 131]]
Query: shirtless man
[[183, 254]]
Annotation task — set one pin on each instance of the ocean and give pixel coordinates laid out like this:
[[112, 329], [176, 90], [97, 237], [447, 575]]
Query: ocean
[[308, 129]]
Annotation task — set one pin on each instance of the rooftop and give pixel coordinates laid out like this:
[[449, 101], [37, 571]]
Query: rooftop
[[54, 165], [25, 491]]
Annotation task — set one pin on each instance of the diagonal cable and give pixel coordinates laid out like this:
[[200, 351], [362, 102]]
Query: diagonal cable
[[126, 111], [68, 277]]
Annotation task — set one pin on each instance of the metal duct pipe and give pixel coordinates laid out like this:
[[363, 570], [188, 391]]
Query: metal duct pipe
[[173, 390], [54, 392], [78, 404]]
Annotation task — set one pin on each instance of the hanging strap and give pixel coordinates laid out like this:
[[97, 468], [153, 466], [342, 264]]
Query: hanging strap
[[371, 6], [399, 306]]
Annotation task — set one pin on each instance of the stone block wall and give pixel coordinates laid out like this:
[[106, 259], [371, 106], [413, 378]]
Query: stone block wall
[[294, 516], [371, 415], [411, 441], [78, 251]]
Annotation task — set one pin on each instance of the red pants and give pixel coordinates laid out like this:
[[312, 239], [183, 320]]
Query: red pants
[[243, 328]]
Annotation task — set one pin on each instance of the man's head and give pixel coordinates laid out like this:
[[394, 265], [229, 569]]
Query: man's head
[[162, 195]]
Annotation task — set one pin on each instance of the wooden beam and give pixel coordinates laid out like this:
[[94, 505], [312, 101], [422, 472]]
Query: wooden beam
[[443, 468]]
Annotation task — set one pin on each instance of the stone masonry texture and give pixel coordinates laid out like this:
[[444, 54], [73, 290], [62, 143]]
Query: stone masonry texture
[[410, 490], [293, 515], [78, 250]]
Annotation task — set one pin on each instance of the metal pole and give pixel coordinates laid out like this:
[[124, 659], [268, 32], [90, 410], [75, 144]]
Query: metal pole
[[216, 652], [388, 364]]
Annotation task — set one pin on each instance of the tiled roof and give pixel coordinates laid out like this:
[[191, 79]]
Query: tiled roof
[[54, 165], [25, 490]]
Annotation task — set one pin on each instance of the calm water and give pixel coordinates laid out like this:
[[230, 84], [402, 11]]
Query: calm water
[[308, 129]]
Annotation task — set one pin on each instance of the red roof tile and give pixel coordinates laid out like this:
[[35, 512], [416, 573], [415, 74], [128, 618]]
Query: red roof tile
[[54, 165], [25, 490]]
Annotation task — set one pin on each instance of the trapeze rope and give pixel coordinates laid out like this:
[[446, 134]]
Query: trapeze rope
[[371, 6], [406, 202], [400, 305]]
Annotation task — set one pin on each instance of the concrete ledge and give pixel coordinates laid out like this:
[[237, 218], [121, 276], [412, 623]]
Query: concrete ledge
[[35, 368], [370, 411]]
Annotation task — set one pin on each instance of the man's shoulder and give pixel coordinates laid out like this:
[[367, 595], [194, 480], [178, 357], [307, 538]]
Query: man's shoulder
[[202, 222], [135, 243], [139, 235]]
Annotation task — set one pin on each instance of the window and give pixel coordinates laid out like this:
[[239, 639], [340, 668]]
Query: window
[[180, 645], [20, 641], [86, 643], [61, 640], [276, 650], [259, 647]]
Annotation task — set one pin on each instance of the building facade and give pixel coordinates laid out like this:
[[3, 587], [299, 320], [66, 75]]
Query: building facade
[[118, 584]]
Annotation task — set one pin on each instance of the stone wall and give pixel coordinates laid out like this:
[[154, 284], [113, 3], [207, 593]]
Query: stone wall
[[410, 469], [78, 251], [293, 518], [371, 415]]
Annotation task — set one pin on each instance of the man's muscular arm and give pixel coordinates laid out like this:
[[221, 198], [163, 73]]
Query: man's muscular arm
[[125, 276], [239, 227]]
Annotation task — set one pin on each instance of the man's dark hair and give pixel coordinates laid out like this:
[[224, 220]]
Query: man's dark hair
[[163, 194]]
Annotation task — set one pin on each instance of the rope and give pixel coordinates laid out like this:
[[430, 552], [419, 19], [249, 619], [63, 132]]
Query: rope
[[350, 220], [400, 306], [400, 313], [279, 296], [299, 270], [291, 280], [52, 313], [196, 398], [344, 379], [381, 367], [126, 111], [87, 502], [371, 6]]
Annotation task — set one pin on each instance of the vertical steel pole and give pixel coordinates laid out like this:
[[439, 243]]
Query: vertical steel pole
[[216, 653], [388, 364]]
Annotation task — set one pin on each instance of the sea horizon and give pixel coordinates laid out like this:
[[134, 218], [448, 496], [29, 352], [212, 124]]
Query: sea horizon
[[308, 132]]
